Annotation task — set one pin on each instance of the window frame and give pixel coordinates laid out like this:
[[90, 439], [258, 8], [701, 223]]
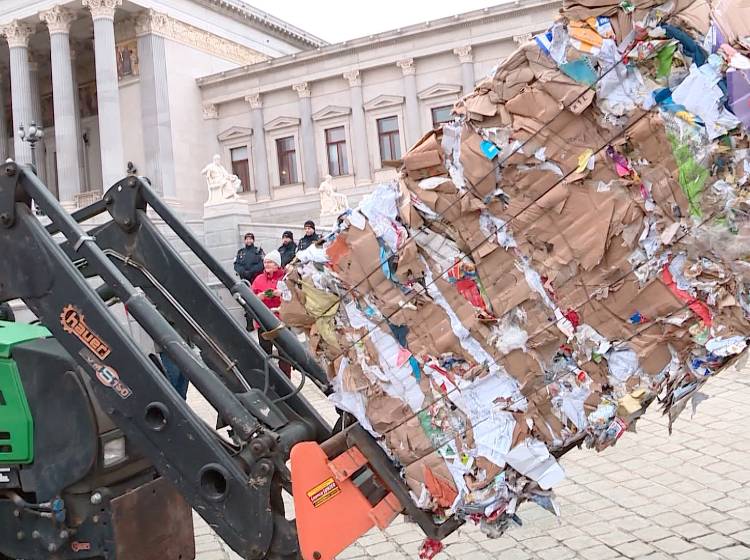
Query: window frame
[[244, 177], [291, 159], [435, 123], [342, 154], [393, 144]]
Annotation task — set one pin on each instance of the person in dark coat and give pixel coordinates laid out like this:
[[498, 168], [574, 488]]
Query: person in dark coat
[[288, 248], [249, 260], [310, 236], [248, 264]]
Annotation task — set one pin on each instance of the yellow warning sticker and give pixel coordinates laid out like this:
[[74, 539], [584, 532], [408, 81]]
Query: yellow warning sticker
[[324, 492]]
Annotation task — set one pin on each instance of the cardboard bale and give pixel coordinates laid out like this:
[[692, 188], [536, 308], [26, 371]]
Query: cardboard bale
[[570, 246]]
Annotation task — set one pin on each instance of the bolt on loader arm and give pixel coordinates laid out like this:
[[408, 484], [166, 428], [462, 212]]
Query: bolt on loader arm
[[235, 486]]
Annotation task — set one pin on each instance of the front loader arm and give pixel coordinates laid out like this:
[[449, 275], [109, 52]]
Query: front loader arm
[[230, 487]]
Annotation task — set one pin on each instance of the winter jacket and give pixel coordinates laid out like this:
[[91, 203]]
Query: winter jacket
[[306, 241], [287, 253], [249, 262], [264, 282]]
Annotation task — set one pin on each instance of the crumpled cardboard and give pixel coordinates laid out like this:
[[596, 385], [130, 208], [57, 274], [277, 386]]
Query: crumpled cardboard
[[546, 263]]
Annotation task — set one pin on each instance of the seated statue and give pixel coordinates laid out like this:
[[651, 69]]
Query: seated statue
[[331, 202], [222, 185]]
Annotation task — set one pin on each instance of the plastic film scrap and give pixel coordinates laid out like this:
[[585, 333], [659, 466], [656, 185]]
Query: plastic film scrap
[[570, 249]]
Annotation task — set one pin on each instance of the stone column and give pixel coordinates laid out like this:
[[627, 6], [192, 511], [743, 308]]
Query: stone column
[[413, 124], [82, 171], [58, 21], [307, 134], [4, 134], [155, 115], [258, 147], [17, 34], [466, 58], [362, 173], [107, 90], [36, 116]]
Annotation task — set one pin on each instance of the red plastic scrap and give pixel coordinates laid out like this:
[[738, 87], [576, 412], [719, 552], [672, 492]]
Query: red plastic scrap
[[696, 306], [430, 549]]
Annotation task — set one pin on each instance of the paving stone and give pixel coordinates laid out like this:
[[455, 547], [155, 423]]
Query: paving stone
[[729, 526], [634, 549], [673, 545], [691, 530], [652, 533], [671, 519], [697, 555], [615, 537], [598, 552], [540, 543], [736, 552], [713, 541], [708, 516], [498, 545], [580, 543], [380, 548], [557, 553]]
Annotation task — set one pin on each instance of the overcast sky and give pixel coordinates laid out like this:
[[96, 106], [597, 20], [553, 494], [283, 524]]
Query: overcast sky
[[340, 20]]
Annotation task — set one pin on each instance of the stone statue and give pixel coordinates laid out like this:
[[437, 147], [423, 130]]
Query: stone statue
[[222, 185], [331, 202]]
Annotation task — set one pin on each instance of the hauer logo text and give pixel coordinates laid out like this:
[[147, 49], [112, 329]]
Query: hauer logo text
[[73, 322]]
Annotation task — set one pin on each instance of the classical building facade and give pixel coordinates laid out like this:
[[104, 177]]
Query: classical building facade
[[166, 84], [345, 110], [114, 81]]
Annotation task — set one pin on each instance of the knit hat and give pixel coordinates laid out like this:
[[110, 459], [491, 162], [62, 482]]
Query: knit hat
[[310, 223], [273, 256], [288, 234]]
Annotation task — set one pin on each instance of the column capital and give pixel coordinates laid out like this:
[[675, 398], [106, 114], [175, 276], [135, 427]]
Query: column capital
[[407, 66], [17, 33], [102, 9], [464, 54], [210, 111], [58, 19], [254, 100], [353, 77], [151, 21], [302, 89]]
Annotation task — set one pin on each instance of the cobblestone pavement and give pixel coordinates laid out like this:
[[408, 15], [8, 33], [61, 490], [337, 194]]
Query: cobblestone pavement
[[654, 496]]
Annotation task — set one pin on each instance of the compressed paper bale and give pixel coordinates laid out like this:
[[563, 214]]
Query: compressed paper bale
[[541, 289]]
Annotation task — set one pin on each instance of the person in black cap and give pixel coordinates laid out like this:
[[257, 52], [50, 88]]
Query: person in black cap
[[288, 248], [310, 236], [249, 260], [248, 264]]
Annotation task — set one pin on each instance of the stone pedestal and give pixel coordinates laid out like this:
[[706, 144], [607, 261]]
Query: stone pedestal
[[222, 238], [221, 222], [327, 220]]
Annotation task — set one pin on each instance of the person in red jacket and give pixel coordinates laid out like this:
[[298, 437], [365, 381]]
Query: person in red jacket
[[266, 287]]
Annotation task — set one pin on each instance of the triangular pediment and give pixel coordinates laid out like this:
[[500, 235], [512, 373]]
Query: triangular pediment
[[382, 101], [439, 90], [331, 112], [281, 122], [235, 133]]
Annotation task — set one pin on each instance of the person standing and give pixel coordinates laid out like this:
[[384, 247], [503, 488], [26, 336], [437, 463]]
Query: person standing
[[249, 260], [310, 236], [266, 287], [288, 248], [248, 264]]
